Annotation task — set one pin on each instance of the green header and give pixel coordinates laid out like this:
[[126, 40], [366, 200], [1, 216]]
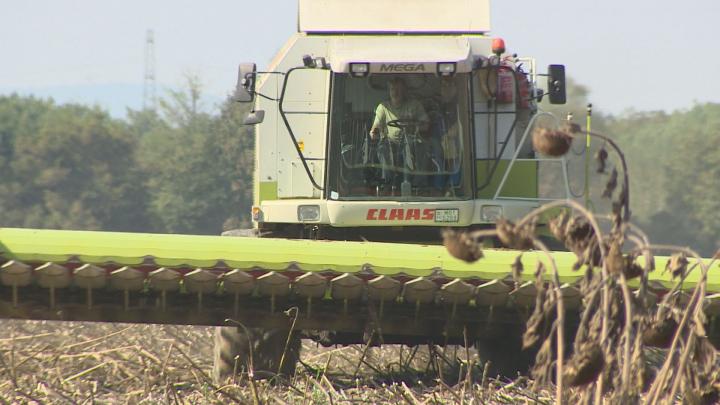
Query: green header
[[32, 245]]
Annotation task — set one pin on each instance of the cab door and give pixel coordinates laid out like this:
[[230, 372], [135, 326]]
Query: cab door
[[304, 107]]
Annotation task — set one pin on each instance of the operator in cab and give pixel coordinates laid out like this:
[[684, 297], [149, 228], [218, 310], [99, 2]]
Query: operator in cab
[[398, 123]]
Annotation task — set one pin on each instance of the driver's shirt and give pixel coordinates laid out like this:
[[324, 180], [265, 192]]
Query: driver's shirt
[[385, 112]]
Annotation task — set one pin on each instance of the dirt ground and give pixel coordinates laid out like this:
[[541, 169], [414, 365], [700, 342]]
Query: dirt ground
[[86, 363]]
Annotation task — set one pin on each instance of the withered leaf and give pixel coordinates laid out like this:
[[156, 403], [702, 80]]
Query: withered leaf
[[601, 159], [677, 265], [517, 268], [572, 127], [614, 260], [558, 226], [611, 184]]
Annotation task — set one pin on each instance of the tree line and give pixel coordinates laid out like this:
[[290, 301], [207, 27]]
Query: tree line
[[178, 170], [185, 170]]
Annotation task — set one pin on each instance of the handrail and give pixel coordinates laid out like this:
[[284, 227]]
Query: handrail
[[561, 160]]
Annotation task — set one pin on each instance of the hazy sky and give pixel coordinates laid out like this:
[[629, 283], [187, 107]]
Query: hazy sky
[[639, 54]]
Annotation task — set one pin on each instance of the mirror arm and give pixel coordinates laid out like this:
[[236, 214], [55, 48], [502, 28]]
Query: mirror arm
[[265, 97]]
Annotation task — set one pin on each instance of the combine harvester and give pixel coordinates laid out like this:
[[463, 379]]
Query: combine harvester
[[339, 183]]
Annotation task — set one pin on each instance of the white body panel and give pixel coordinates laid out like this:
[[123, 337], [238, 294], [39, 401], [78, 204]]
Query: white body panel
[[383, 50], [389, 213], [419, 16]]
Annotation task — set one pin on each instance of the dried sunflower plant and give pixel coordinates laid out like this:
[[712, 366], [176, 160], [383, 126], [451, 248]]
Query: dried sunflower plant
[[608, 358]]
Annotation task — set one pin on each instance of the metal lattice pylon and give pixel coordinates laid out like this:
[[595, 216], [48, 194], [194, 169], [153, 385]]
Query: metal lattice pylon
[[149, 91]]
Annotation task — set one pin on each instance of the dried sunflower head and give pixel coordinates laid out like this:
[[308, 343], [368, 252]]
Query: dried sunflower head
[[514, 237], [460, 245], [551, 142], [578, 228], [585, 365], [660, 334], [631, 268]]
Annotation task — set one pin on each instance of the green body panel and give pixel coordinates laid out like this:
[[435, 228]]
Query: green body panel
[[268, 191], [30, 245], [521, 182]]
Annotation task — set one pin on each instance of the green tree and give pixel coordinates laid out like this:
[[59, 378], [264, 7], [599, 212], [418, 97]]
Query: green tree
[[690, 169], [69, 167], [199, 166]]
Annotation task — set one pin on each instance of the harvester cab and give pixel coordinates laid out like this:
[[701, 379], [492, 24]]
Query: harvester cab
[[386, 120]]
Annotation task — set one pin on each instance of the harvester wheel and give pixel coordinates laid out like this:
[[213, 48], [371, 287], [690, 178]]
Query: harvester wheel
[[506, 356], [233, 347]]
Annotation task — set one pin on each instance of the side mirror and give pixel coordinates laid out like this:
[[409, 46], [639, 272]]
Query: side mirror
[[254, 117], [556, 84], [245, 89]]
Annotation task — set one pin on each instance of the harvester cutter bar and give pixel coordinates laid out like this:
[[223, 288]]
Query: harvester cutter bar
[[408, 292]]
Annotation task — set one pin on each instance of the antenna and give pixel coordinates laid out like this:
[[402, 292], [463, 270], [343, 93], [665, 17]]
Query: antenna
[[149, 94]]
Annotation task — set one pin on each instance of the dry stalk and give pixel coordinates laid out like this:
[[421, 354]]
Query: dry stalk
[[560, 308], [692, 309], [289, 337]]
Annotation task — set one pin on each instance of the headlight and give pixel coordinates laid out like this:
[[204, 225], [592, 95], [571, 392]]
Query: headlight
[[359, 69], [446, 68], [491, 213], [308, 213]]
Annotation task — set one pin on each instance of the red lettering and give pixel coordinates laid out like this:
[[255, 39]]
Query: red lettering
[[383, 214], [412, 213], [372, 214], [396, 214], [428, 214]]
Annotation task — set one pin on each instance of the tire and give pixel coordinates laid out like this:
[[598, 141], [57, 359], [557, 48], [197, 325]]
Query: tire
[[506, 356], [232, 352]]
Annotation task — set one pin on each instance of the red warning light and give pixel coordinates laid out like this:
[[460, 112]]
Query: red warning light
[[498, 46]]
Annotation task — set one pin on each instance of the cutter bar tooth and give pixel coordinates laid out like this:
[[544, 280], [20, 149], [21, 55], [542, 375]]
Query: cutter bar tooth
[[273, 284], [164, 279], [492, 294], [683, 298], [457, 291], [347, 287], [238, 282], [383, 288], [652, 297], [524, 295], [15, 273], [310, 285], [419, 290], [201, 281], [52, 275], [127, 279], [90, 276], [712, 304], [572, 297]]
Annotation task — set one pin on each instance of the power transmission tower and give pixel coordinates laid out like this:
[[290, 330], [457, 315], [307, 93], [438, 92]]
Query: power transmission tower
[[149, 93]]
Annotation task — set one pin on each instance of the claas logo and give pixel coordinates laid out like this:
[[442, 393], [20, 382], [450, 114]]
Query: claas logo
[[400, 214]]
